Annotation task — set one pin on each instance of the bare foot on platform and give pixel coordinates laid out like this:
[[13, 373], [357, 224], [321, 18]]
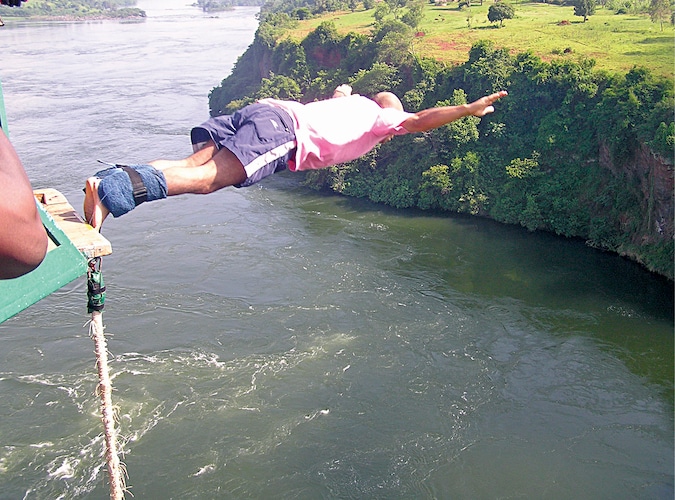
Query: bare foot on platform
[[94, 211]]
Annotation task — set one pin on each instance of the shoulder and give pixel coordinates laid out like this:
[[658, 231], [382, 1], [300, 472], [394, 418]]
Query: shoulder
[[393, 117]]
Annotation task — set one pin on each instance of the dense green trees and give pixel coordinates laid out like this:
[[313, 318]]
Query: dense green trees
[[561, 154]]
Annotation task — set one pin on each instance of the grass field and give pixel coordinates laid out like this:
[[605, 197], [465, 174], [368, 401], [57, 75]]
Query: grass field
[[617, 42]]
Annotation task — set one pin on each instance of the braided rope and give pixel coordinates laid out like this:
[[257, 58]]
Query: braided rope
[[96, 298]]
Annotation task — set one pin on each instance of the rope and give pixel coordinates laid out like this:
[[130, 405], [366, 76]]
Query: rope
[[95, 304]]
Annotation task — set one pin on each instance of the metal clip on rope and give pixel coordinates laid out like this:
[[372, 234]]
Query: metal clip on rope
[[95, 286]]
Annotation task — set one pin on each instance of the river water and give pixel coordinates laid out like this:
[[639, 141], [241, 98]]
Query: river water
[[274, 342]]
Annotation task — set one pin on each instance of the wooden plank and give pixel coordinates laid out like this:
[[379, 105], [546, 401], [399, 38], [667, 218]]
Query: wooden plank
[[85, 238]]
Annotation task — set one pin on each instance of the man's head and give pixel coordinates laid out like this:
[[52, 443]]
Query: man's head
[[388, 100]]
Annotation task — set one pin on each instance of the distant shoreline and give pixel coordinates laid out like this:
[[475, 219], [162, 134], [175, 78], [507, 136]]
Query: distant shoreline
[[79, 18], [122, 14], [93, 17], [74, 18]]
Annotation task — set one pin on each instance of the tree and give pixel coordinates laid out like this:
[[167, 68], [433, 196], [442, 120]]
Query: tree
[[302, 13], [395, 7], [500, 11], [453, 138], [381, 11], [660, 11], [214, 5], [378, 78], [392, 41], [488, 67], [414, 15], [289, 59], [322, 46], [584, 8], [279, 87]]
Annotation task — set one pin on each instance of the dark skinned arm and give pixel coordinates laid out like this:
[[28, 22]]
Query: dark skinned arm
[[432, 118], [23, 240]]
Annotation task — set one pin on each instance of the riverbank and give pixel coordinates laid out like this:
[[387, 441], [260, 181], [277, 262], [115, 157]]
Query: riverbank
[[69, 14], [574, 150], [74, 18]]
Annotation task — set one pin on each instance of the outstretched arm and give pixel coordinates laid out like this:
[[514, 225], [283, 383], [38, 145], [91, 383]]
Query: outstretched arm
[[432, 118], [23, 240]]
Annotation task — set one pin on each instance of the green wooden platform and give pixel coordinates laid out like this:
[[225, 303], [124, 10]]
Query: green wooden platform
[[72, 243]]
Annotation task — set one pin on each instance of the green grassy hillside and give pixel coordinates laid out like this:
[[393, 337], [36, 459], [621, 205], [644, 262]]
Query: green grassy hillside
[[617, 42]]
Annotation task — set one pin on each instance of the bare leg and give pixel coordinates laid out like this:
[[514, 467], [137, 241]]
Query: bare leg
[[196, 159], [222, 170]]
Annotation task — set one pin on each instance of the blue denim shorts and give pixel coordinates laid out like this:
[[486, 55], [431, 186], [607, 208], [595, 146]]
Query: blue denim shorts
[[259, 135]]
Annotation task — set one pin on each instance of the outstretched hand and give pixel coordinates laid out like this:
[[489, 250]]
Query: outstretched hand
[[431, 118], [483, 106]]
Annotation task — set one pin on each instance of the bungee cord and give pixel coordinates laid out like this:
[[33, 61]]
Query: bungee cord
[[95, 304]]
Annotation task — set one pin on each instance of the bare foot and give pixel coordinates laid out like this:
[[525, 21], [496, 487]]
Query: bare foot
[[94, 211]]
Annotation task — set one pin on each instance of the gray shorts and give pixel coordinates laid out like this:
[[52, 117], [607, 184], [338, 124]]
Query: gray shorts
[[259, 135]]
